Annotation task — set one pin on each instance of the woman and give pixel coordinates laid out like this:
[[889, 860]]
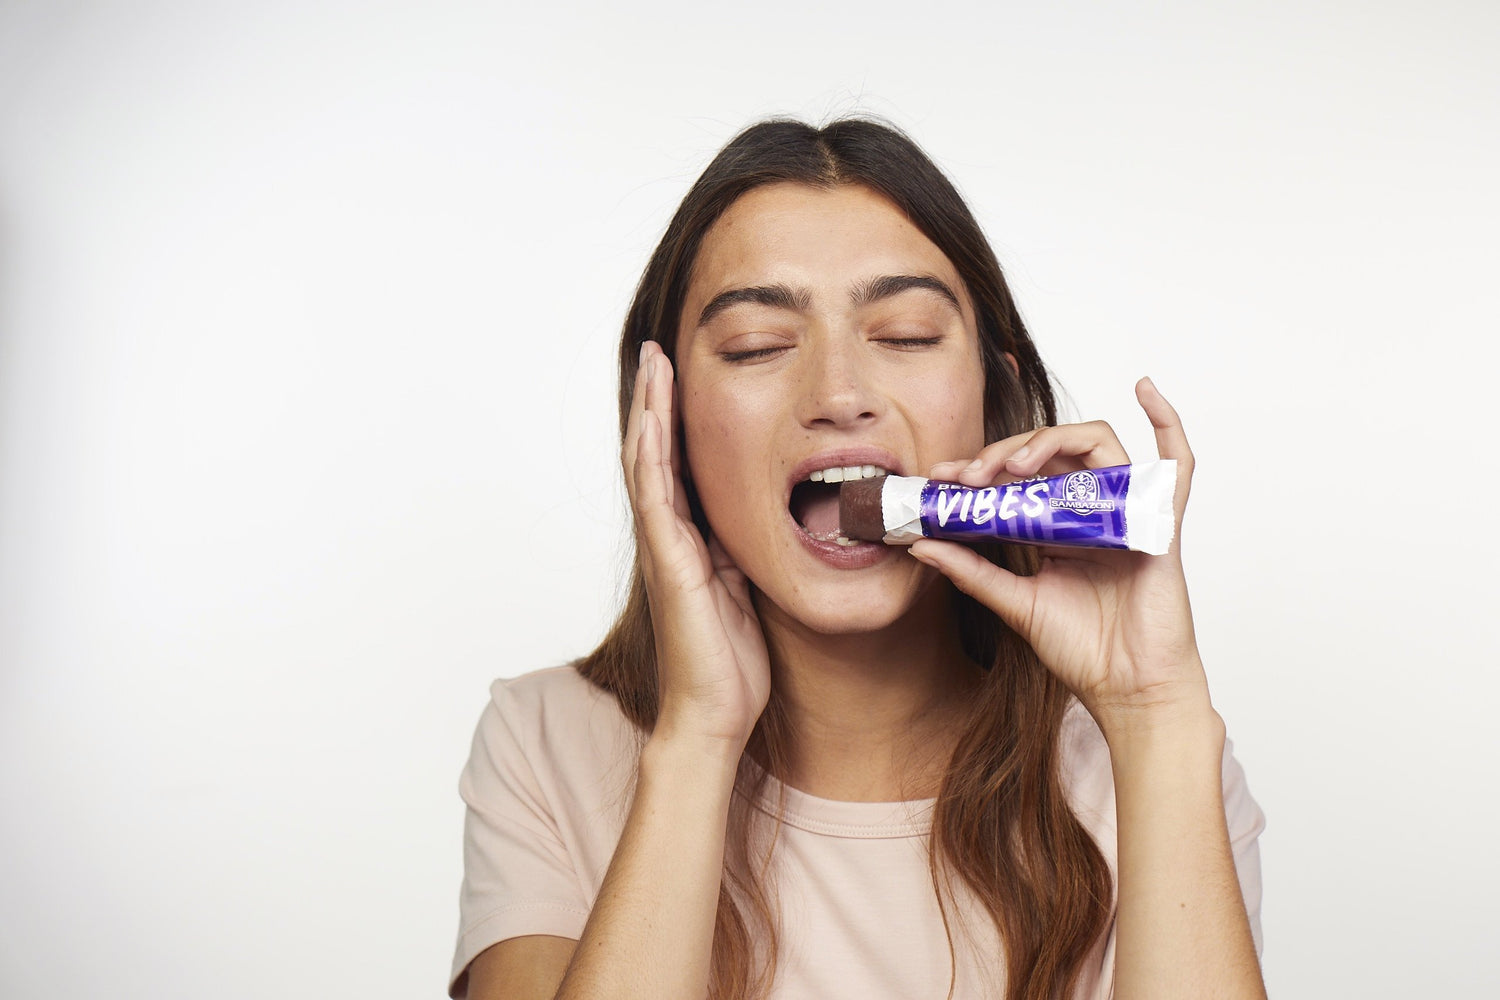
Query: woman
[[798, 767]]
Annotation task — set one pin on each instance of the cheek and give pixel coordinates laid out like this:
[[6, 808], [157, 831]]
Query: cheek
[[703, 428], [947, 414], [719, 437], [970, 422]]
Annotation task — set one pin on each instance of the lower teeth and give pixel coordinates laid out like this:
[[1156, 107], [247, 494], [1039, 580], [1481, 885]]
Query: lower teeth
[[836, 536]]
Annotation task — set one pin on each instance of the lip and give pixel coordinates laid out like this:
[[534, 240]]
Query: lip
[[831, 553], [843, 556]]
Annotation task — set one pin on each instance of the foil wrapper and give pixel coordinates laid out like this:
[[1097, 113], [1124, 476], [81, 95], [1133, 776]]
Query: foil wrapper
[[1119, 507]]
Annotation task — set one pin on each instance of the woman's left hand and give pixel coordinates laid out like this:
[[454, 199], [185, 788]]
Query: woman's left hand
[[1114, 626]]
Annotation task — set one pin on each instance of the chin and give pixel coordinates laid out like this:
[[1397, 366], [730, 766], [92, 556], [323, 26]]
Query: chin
[[850, 607]]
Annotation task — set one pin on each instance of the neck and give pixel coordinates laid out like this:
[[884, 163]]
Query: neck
[[871, 716]]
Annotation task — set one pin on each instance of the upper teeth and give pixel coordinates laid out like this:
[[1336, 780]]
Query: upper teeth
[[838, 474]]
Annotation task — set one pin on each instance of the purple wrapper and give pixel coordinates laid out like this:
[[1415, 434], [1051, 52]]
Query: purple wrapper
[[1120, 507]]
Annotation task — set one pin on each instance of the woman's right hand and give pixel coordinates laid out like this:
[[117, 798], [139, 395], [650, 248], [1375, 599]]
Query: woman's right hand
[[713, 671]]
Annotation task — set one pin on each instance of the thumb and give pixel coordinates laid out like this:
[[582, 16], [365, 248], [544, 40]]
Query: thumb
[[734, 579], [1003, 592]]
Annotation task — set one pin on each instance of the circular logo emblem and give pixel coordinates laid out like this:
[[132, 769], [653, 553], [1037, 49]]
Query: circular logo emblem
[[1081, 486]]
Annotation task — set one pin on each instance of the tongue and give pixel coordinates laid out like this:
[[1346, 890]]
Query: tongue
[[820, 513]]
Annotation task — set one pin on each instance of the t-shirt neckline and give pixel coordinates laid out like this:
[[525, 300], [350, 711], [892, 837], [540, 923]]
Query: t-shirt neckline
[[833, 818]]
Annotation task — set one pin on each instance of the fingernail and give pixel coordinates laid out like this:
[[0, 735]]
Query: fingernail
[[1020, 455], [973, 466], [651, 368], [642, 357]]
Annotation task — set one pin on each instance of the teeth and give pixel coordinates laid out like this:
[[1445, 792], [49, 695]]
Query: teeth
[[836, 536], [839, 474]]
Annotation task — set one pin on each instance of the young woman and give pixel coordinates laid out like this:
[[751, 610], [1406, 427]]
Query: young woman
[[799, 768]]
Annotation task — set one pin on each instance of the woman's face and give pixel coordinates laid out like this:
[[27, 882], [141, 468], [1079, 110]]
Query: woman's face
[[821, 330]]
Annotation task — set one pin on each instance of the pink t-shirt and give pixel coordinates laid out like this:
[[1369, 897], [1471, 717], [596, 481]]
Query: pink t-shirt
[[548, 786]]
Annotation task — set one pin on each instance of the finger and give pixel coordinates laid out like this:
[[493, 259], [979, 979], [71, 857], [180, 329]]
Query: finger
[[656, 521], [1007, 595], [947, 471], [720, 558], [659, 394], [661, 398], [1171, 439], [734, 578], [990, 459], [631, 441], [1090, 445], [672, 552]]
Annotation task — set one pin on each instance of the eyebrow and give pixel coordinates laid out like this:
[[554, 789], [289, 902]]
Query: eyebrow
[[776, 296], [894, 284], [800, 299]]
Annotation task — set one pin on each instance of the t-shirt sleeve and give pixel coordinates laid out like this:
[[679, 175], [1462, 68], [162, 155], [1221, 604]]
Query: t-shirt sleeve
[[518, 876], [1246, 822]]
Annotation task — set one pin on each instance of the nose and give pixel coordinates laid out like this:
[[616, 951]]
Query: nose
[[837, 385]]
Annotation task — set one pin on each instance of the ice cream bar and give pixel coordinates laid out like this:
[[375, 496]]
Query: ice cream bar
[[1120, 507]]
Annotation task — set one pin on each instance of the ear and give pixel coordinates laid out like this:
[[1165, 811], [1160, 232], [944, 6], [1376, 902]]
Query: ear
[[1014, 367]]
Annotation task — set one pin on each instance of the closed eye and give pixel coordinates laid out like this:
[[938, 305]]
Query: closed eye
[[764, 353], [735, 357], [910, 342]]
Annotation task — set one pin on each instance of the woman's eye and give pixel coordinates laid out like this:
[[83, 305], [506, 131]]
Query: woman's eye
[[909, 342], [756, 354]]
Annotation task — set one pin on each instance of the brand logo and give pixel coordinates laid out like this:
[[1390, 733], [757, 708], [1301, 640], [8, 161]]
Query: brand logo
[[969, 506], [1081, 495]]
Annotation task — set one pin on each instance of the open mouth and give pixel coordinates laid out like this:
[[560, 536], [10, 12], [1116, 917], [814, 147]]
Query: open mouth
[[815, 501]]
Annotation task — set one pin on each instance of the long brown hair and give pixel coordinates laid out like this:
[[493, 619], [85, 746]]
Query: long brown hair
[[1001, 824]]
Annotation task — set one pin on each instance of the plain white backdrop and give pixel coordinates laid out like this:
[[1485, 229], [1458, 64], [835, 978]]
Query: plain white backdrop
[[306, 306]]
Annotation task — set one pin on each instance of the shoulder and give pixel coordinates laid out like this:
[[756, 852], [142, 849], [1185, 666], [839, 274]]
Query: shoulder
[[552, 693], [559, 729], [550, 766]]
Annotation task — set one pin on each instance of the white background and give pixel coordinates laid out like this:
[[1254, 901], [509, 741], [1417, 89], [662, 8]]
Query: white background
[[305, 305]]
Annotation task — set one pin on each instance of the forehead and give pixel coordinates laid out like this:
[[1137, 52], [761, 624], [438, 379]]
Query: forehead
[[823, 239]]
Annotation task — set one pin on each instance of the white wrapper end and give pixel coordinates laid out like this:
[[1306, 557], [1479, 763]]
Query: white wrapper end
[[901, 508], [1150, 521]]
